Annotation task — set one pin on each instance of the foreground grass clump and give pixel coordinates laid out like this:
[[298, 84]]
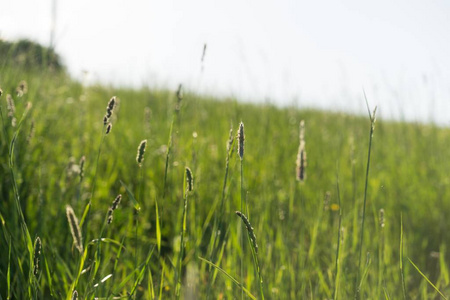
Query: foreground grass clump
[[168, 240]]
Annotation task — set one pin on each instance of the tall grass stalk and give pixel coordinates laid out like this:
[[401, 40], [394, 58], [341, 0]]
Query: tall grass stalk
[[187, 186], [402, 271], [25, 232], [218, 227], [139, 159], [337, 271], [8, 274], [381, 251], [241, 139], [361, 239], [175, 114], [84, 223], [169, 148], [87, 211], [254, 248], [97, 255]]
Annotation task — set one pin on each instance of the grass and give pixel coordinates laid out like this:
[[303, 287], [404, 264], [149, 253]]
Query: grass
[[307, 247]]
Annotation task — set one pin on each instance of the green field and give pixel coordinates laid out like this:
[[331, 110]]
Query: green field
[[308, 232]]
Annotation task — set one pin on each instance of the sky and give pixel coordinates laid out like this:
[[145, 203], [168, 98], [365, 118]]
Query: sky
[[319, 54]]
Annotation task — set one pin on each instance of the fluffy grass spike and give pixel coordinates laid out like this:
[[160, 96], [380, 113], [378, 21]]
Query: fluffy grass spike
[[250, 230], [82, 161], [108, 128], [241, 138], [109, 110], [141, 152], [22, 88], [74, 228], [74, 295], [36, 255], [113, 207], [301, 156], [189, 180]]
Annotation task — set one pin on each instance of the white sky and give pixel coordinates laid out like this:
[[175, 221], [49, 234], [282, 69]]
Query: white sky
[[321, 53]]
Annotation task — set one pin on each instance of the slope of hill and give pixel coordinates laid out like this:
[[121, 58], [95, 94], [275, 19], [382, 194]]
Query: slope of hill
[[308, 233]]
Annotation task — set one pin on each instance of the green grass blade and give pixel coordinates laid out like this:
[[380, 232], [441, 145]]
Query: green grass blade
[[337, 263], [48, 273], [130, 194], [85, 214], [141, 274], [158, 229], [119, 252], [162, 279], [401, 258], [14, 139], [150, 288], [428, 280], [80, 269], [229, 277], [8, 278], [107, 241], [366, 184]]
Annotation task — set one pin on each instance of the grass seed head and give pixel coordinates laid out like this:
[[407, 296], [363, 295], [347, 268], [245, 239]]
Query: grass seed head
[[1, 92], [179, 97], [189, 179], [10, 106], [301, 156], [11, 109], [203, 53], [108, 128], [110, 215], [82, 161], [75, 295], [113, 207], [74, 228], [36, 255], [109, 110], [111, 103], [22, 88], [250, 230], [32, 132], [373, 118], [116, 202], [140, 152], [241, 138], [382, 218], [230, 140], [180, 92]]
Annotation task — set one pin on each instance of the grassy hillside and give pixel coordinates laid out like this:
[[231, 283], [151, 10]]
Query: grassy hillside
[[303, 253]]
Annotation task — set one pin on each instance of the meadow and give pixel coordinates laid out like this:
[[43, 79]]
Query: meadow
[[354, 227]]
